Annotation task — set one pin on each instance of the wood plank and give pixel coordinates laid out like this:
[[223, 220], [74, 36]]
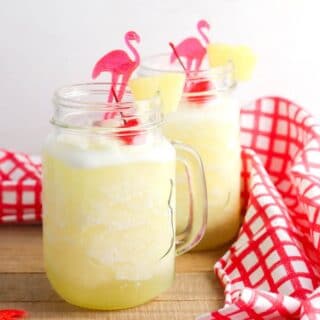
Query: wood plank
[[199, 261], [20, 248], [21, 251], [35, 287], [156, 310]]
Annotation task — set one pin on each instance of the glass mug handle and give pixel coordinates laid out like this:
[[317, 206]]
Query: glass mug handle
[[196, 227]]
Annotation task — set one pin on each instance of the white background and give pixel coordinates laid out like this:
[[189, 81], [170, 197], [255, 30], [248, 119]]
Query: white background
[[46, 43]]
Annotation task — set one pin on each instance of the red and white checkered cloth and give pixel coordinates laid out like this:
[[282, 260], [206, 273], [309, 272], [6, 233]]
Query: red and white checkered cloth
[[272, 271], [20, 187]]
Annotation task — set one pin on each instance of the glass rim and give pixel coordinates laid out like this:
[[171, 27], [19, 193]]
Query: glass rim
[[218, 71], [62, 97], [68, 98]]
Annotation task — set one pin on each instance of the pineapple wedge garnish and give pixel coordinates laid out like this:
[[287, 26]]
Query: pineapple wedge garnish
[[168, 85], [242, 57], [144, 88]]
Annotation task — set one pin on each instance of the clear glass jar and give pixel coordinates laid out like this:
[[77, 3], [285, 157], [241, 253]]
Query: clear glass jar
[[109, 200], [207, 120]]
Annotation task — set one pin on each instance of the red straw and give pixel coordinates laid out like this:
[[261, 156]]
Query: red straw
[[117, 101], [114, 94], [177, 56]]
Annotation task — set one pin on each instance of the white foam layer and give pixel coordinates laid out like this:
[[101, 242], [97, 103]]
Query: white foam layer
[[88, 152], [220, 110]]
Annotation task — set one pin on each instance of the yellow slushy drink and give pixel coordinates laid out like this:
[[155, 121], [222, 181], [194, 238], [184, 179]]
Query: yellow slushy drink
[[212, 129], [109, 230]]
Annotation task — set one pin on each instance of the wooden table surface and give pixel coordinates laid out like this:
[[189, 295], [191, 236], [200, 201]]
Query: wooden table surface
[[23, 284]]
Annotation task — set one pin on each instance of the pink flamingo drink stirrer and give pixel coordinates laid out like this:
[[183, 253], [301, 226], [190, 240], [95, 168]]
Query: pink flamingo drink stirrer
[[121, 67], [192, 49], [119, 64]]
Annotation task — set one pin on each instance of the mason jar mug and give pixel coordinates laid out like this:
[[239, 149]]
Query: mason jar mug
[[109, 199], [208, 120]]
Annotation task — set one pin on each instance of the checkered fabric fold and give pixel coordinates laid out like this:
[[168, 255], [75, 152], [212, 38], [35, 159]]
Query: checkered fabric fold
[[20, 187], [272, 271]]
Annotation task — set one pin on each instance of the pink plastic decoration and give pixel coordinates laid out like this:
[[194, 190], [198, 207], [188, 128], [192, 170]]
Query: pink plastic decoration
[[119, 64], [12, 314], [192, 49]]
